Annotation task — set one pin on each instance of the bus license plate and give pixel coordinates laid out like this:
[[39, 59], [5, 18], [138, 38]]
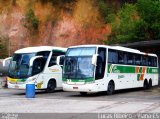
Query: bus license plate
[[16, 86], [75, 87]]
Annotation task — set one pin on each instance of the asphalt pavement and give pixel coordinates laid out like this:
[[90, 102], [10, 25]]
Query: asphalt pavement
[[72, 103]]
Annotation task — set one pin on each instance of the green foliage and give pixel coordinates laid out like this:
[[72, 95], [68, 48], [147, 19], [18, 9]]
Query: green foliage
[[128, 21], [149, 11], [31, 19], [136, 22], [105, 10], [4, 42], [123, 25], [1, 45]]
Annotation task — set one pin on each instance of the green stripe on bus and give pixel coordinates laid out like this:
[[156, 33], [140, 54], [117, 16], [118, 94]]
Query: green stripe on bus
[[130, 69], [79, 80], [138, 77], [152, 70], [140, 69]]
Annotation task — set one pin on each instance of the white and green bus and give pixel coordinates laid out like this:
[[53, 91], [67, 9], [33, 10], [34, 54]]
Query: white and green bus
[[95, 68], [36, 65]]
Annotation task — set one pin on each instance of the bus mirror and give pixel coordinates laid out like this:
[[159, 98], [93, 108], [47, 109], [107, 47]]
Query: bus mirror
[[60, 60], [6, 61], [33, 58], [94, 59]]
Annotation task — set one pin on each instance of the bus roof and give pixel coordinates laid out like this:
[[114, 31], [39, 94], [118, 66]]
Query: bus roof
[[39, 48], [117, 48]]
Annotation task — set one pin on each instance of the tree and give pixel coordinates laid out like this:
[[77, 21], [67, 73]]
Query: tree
[[105, 10], [149, 11], [1, 46], [31, 20], [4, 47], [123, 25], [136, 22]]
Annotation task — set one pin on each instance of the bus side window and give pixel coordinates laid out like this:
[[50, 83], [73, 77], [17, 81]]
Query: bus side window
[[54, 57], [120, 57], [125, 57], [130, 59], [144, 60], [45, 54], [112, 57], [137, 59], [38, 66], [150, 61], [101, 63], [154, 61]]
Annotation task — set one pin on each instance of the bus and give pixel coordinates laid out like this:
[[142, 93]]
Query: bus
[[4, 65], [36, 65], [95, 68]]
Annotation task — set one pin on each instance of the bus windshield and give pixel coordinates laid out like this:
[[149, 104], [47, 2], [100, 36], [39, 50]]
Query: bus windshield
[[81, 51], [78, 67], [78, 63], [19, 66]]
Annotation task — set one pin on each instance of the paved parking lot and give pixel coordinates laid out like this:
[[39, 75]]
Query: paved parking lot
[[125, 101]]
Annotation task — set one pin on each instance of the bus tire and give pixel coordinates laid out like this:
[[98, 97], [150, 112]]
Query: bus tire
[[83, 93], [111, 88], [145, 85], [150, 83], [51, 86]]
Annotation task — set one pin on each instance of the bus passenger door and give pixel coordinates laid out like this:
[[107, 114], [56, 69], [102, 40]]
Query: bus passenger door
[[101, 63], [101, 66], [37, 70], [54, 71]]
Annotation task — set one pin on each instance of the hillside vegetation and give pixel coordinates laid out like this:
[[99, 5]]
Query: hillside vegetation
[[65, 23]]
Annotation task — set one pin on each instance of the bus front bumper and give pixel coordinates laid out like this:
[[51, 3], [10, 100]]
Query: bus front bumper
[[16, 86], [82, 88]]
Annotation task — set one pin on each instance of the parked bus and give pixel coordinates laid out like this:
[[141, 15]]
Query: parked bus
[[95, 68], [36, 65], [4, 65]]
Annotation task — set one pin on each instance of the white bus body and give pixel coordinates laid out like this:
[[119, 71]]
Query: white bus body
[[95, 68], [36, 65]]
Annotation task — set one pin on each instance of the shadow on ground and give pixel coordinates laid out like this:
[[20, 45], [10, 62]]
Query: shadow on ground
[[118, 92]]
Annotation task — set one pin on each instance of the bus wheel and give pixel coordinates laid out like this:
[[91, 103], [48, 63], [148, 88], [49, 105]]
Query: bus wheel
[[111, 88], [150, 83], [83, 93], [51, 86], [145, 85]]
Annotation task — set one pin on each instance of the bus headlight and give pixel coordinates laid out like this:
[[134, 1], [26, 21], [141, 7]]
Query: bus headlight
[[30, 80]]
